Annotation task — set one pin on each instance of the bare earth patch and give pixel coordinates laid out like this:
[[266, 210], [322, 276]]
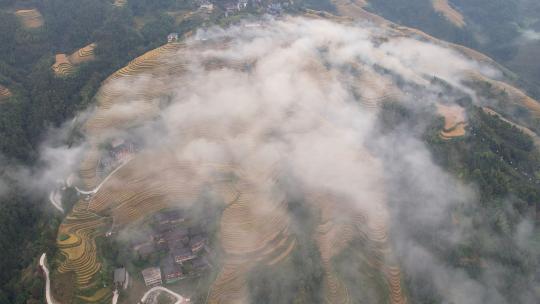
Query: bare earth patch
[[443, 7], [30, 18], [454, 121], [5, 93], [62, 66]]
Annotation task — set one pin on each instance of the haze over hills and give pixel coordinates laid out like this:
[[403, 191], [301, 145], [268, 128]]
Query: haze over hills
[[316, 153]]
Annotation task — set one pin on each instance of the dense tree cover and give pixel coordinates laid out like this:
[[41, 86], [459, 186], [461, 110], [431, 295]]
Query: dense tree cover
[[25, 232], [159, 26], [420, 14], [498, 20], [141, 7], [70, 24], [41, 100], [502, 165]]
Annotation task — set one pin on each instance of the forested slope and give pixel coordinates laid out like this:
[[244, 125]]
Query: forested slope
[[40, 100]]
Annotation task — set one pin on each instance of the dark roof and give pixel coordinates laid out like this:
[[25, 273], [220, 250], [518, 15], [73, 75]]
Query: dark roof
[[169, 266], [163, 227], [182, 251], [176, 234], [119, 275], [169, 215]]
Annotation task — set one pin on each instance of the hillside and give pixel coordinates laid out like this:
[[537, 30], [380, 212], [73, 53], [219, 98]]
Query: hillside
[[314, 156], [134, 190]]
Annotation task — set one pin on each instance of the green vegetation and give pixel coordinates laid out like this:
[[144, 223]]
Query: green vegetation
[[501, 164], [420, 14], [497, 157], [40, 101]]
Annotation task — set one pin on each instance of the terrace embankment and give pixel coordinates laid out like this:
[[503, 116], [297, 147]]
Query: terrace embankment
[[30, 18], [65, 65], [454, 121]]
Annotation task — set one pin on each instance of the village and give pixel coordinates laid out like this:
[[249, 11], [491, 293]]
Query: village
[[117, 152], [174, 248], [232, 7]]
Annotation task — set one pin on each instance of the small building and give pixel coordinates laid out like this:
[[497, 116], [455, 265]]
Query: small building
[[162, 228], [242, 4], [171, 238], [179, 235], [152, 276], [182, 255], [172, 37], [275, 8], [173, 217], [197, 243], [207, 6], [121, 278], [171, 271]]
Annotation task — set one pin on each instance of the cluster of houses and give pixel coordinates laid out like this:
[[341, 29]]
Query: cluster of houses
[[120, 150], [185, 249], [172, 37], [231, 7]]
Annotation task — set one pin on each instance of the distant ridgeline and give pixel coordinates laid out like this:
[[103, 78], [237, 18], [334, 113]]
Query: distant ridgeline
[[495, 27]]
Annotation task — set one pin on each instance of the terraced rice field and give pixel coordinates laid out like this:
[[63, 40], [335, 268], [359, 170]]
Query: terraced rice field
[[454, 121], [83, 54], [151, 182], [76, 242], [30, 18], [5, 93], [249, 235], [373, 89], [65, 65], [62, 66], [254, 229], [133, 193], [443, 7], [341, 221]]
